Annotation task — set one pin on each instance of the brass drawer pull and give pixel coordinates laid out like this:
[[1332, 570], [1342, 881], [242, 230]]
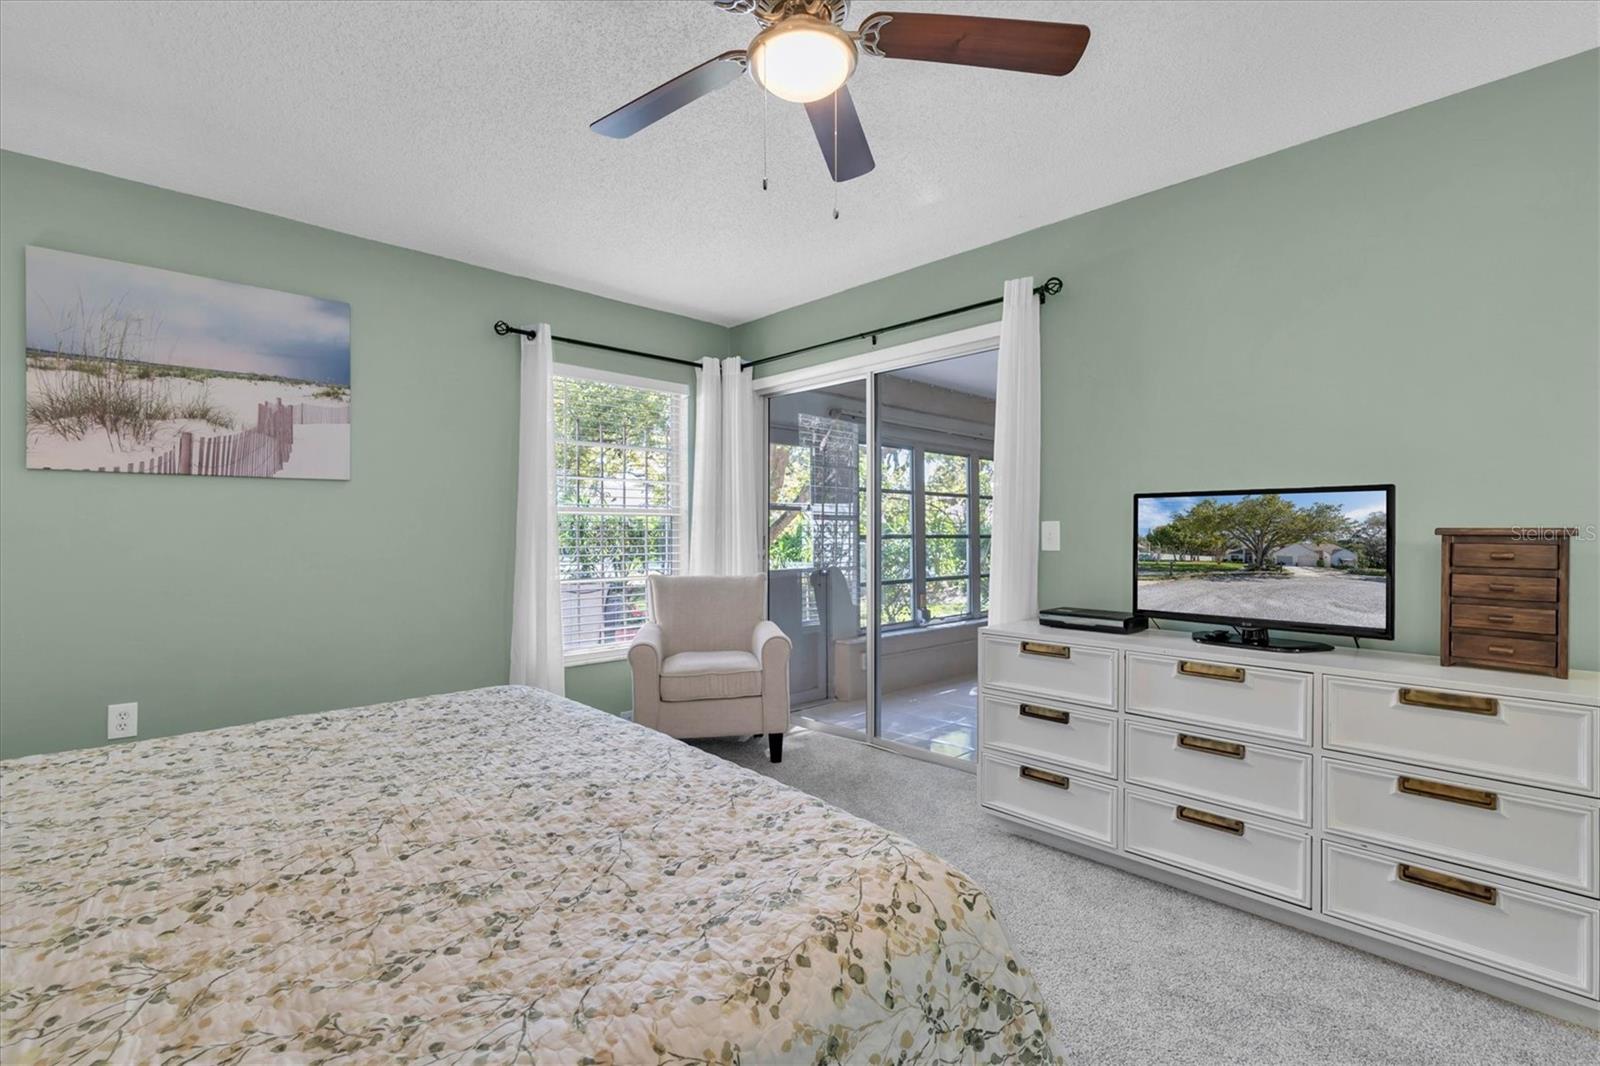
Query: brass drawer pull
[[1056, 651], [1211, 670], [1044, 714], [1455, 886], [1211, 747], [1500, 649], [1502, 555], [1044, 777], [1502, 619], [1502, 588], [1440, 790], [1449, 701], [1211, 821]]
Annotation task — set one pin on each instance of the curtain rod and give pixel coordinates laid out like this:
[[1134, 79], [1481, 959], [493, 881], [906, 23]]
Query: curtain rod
[[502, 328], [1051, 287]]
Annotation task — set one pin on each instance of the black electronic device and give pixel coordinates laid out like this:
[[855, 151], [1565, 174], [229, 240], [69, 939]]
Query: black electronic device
[[1093, 620]]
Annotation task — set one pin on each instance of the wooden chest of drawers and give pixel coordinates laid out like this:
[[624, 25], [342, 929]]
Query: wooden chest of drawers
[[1503, 598]]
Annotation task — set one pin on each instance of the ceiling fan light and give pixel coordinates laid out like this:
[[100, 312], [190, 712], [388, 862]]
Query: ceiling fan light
[[802, 59]]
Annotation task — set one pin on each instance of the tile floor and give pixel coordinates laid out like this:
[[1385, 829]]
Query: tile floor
[[941, 717]]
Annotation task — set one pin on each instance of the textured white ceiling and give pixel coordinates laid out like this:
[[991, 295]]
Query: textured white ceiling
[[975, 375], [461, 129]]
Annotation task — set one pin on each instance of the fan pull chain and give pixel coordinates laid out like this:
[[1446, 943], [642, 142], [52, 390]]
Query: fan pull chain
[[764, 95], [836, 155]]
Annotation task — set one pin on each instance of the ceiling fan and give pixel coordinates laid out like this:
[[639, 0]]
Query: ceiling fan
[[803, 54]]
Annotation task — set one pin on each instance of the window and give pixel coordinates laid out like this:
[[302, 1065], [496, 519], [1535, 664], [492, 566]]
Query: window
[[935, 508], [620, 502], [813, 517], [897, 537]]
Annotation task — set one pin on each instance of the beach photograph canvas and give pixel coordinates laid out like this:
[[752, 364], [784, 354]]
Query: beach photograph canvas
[[137, 370]]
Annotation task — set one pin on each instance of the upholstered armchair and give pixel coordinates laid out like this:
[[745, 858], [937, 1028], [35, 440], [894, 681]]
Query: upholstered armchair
[[708, 663]]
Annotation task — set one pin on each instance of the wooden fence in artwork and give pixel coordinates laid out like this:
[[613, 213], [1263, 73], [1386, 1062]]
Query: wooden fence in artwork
[[309, 414], [258, 452]]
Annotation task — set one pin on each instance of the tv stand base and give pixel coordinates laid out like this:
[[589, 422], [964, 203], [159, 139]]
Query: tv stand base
[[1260, 639]]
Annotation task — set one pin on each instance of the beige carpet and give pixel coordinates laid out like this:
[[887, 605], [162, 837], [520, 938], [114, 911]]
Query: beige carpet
[[1138, 972]]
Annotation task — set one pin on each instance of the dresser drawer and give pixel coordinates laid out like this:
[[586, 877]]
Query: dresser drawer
[[1249, 776], [1056, 668], [1066, 803], [1218, 843], [1528, 741], [1517, 832], [1535, 935], [1510, 589], [1504, 652], [1505, 556], [1064, 734], [1536, 620], [1248, 699]]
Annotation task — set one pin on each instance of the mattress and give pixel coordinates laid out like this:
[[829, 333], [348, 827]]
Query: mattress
[[489, 876]]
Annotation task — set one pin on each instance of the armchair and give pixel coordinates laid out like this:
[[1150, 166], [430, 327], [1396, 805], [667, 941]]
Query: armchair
[[708, 663]]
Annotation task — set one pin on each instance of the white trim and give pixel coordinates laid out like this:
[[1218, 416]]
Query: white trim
[[913, 353], [589, 373], [609, 653]]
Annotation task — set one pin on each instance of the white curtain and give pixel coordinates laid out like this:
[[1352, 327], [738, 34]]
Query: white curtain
[[535, 590], [1014, 545], [725, 508]]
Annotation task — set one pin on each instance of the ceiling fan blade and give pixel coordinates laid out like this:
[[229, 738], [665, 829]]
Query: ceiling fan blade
[[667, 97], [853, 157], [1004, 44]]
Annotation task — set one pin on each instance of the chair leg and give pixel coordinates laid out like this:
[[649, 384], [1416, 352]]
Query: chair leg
[[775, 742]]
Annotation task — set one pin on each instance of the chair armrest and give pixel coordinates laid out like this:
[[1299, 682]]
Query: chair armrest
[[766, 633], [646, 651]]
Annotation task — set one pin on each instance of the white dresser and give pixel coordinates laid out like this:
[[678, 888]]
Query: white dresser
[[1448, 818]]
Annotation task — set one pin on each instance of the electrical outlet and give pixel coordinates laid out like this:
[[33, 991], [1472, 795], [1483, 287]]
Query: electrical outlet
[[122, 720], [1049, 536]]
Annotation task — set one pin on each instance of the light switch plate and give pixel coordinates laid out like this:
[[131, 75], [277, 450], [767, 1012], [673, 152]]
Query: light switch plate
[[1050, 536], [122, 721]]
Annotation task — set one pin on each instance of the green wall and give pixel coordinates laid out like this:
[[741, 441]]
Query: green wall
[[218, 601], [1414, 300]]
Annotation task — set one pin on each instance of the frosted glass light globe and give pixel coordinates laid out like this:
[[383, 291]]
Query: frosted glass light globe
[[802, 59]]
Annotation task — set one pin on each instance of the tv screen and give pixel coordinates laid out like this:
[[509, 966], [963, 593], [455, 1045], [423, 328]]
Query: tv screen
[[1314, 560]]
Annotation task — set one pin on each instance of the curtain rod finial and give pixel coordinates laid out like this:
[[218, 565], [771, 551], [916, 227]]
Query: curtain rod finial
[[1051, 287]]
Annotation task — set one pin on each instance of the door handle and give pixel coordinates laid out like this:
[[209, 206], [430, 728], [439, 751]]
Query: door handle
[[1196, 816], [1044, 777], [1045, 714], [1225, 748], [1442, 882], [1214, 671], [1442, 790], [1449, 701]]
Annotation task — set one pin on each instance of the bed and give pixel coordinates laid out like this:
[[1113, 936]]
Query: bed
[[489, 876]]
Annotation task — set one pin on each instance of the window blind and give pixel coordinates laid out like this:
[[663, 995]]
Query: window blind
[[620, 503]]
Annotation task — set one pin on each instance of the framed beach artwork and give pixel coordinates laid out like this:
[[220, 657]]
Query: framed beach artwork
[[136, 370]]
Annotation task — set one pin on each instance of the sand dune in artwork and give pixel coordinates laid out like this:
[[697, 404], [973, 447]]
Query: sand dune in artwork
[[320, 451]]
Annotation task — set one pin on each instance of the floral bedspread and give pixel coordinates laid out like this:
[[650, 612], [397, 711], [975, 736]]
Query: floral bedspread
[[490, 876]]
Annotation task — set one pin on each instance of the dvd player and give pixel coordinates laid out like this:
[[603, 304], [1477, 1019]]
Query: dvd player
[[1094, 620]]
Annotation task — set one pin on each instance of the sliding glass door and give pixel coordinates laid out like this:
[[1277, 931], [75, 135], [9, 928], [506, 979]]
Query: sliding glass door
[[935, 432], [878, 498], [816, 530]]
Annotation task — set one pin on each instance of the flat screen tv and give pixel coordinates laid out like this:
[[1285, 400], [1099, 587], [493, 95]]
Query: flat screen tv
[[1312, 560]]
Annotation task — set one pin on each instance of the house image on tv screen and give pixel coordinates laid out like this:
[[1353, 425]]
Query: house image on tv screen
[[1302, 553]]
